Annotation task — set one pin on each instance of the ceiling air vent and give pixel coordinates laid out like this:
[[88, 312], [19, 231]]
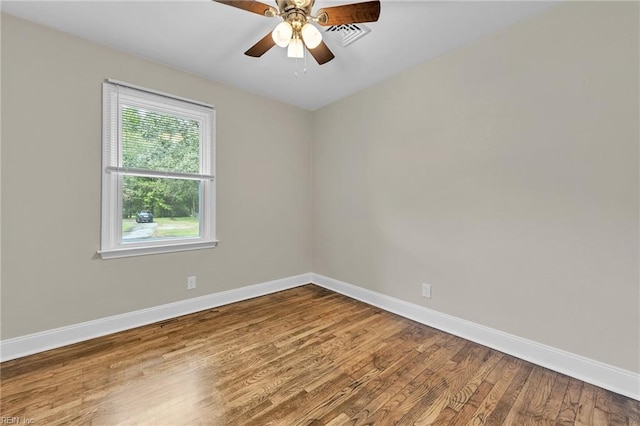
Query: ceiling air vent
[[347, 33]]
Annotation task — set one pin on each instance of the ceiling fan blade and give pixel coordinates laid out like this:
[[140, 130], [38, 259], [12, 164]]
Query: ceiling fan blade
[[349, 13], [261, 47], [321, 53], [251, 6]]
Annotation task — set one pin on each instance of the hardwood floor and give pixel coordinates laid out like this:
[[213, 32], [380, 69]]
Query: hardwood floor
[[304, 356]]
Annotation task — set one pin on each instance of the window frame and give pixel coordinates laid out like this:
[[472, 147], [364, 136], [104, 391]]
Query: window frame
[[115, 95]]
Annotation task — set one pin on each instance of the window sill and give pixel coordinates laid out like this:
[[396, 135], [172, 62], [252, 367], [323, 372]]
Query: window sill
[[147, 250]]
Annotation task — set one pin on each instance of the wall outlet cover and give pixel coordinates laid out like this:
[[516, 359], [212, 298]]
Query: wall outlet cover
[[191, 283], [426, 290]]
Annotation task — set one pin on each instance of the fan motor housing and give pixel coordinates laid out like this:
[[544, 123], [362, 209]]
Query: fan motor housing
[[302, 6]]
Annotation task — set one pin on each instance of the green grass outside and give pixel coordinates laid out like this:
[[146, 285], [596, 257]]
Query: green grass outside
[[169, 227]]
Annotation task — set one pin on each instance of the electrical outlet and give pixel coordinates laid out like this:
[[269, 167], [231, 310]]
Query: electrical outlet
[[426, 290], [191, 283]]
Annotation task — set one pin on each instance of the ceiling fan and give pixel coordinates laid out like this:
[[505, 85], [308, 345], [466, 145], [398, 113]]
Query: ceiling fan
[[297, 30]]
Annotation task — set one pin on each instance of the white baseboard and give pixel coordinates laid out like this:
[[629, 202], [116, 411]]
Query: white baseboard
[[51, 339], [597, 373]]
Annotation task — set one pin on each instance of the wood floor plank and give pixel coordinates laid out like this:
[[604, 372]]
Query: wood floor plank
[[388, 376], [328, 405], [501, 377], [350, 402], [586, 405], [537, 398], [505, 404], [551, 408], [338, 420], [304, 356], [395, 383], [462, 397], [529, 394], [465, 414], [613, 405], [570, 403], [454, 378], [379, 410]]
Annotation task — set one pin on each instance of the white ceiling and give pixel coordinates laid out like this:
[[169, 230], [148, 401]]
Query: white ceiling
[[209, 39]]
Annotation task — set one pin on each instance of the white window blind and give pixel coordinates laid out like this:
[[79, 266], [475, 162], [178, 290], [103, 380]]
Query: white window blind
[[136, 100]]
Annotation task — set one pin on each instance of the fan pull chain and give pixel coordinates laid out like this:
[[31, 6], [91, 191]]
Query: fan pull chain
[[304, 69], [304, 53]]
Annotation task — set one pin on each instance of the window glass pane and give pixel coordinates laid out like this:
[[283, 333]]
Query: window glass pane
[[159, 208], [160, 142]]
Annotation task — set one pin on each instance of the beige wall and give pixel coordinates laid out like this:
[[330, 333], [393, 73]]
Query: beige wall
[[51, 142], [506, 175]]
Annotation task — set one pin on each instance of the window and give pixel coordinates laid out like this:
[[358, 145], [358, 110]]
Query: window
[[158, 160]]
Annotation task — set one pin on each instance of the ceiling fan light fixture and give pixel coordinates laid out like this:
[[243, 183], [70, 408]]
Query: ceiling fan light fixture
[[311, 36], [298, 31], [295, 50], [282, 34]]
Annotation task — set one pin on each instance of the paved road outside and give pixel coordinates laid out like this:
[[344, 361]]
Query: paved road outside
[[140, 231]]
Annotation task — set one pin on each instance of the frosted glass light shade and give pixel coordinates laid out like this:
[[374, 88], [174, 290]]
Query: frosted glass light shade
[[311, 36], [296, 50], [282, 33]]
